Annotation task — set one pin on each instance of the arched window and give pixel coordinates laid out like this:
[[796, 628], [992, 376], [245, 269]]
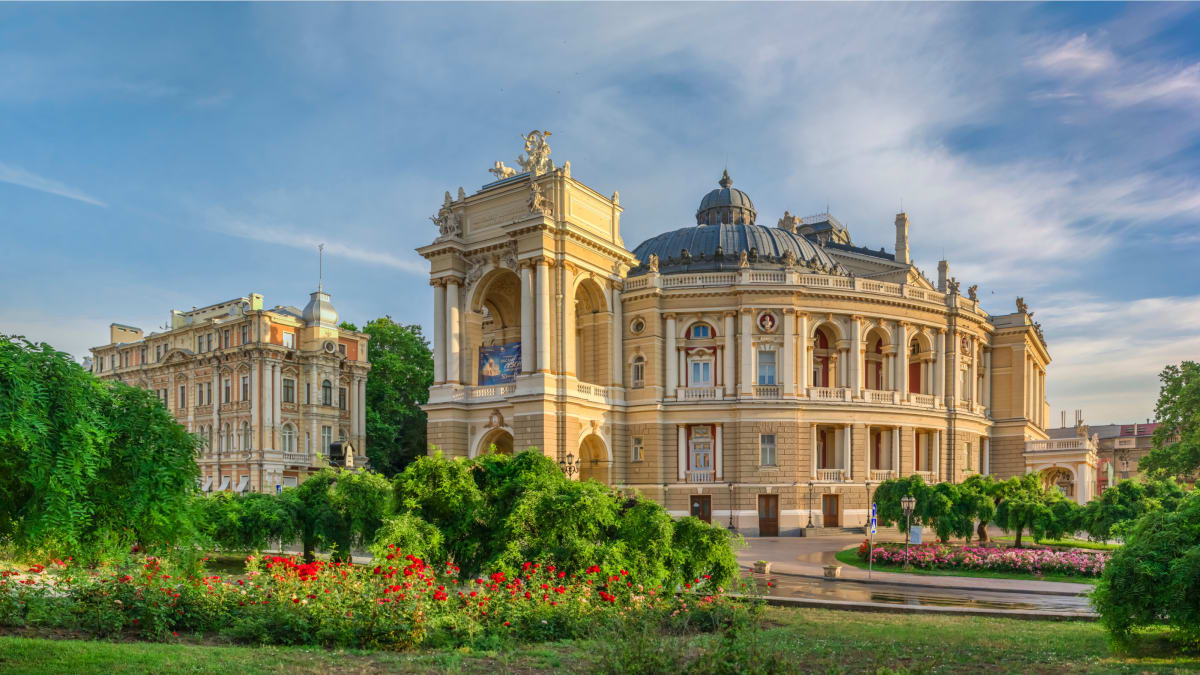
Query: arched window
[[637, 373], [247, 439], [326, 393], [699, 331], [289, 438]]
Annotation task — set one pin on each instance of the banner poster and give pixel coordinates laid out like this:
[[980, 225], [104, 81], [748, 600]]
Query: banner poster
[[499, 364]]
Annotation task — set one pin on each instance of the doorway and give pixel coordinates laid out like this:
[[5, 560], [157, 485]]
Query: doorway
[[702, 507], [829, 511], [768, 515]]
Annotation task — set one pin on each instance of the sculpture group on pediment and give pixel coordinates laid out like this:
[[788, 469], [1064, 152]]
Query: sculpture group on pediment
[[449, 224], [501, 172], [538, 203], [536, 159]]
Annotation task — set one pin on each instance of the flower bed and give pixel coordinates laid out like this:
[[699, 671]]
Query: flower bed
[[399, 604], [1026, 560]]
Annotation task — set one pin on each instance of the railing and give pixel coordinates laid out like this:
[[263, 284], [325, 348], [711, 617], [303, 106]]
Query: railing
[[301, 458], [1051, 445], [768, 277], [924, 400], [698, 393], [878, 396], [701, 476], [637, 283], [490, 391], [926, 476], [882, 475], [827, 475], [781, 277], [1125, 443], [711, 279], [766, 391], [828, 393]]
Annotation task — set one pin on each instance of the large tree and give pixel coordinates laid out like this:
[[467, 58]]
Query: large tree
[[1176, 450], [401, 374], [86, 466]]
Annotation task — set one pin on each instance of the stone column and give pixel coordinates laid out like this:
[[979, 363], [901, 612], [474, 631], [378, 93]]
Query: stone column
[[543, 316], [855, 371], [276, 400], [937, 456], [896, 450], [528, 356], [618, 335], [813, 441], [566, 301], [847, 438], [362, 415], [453, 345], [720, 460], [805, 355], [976, 354], [682, 452], [256, 402], [670, 359], [987, 381], [439, 332], [985, 447], [789, 352], [746, 357], [902, 361], [939, 379], [729, 373]]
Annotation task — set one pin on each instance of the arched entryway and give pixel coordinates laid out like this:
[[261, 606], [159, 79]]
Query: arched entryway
[[493, 335], [497, 441], [593, 328], [1061, 478], [594, 462]]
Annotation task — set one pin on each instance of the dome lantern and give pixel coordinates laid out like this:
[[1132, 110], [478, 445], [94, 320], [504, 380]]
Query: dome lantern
[[726, 205]]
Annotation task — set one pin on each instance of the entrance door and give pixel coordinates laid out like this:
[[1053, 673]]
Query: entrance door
[[829, 511], [768, 515], [702, 507], [914, 377]]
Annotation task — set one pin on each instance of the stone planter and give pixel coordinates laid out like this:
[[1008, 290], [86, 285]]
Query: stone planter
[[833, 571], [761, 567]]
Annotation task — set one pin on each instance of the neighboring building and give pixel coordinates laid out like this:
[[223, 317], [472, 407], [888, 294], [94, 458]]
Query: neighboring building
[[754, 376], [267, 390], [1119, 446]]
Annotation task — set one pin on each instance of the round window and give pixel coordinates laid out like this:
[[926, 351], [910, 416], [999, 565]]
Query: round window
[[637, 326]]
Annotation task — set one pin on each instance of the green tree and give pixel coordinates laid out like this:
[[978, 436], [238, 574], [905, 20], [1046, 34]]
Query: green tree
[[401, 374], [337, 509], [1025, 504], [1176, 451], [1155, 576], [1125, 502], [86, 466]]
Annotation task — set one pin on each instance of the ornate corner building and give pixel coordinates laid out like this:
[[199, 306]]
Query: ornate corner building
[[763, 377], [268, 391]]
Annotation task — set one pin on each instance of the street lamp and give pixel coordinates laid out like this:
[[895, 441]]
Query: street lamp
[[570, 466], [810, 493], [907, 502]]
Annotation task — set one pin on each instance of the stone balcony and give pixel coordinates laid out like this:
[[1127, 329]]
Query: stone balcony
[[706, 476]]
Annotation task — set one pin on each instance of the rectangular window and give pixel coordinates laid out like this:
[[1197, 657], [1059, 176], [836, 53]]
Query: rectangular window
[[289, 340], [635, 452], [182, 402], [208, 345], [225, 339], [225, 391], [342, 398], [199, 394], [326, 439], [124, 359], [208, 393], [245, 334], [766, 367], [701, 374], [289, 391], [199, 344], [342, 349], [766, 449], [245, 387], [700, 331], [142, 354], [307, 393], [638, 374]]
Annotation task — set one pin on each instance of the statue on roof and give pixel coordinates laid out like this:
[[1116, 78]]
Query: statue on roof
[[789, 259], [973, 292], [536, 159], [652, 263], [953, 284], [501, 172], [447, 222], [744, 260], [538, 203], [1021, 306], [788, 222]]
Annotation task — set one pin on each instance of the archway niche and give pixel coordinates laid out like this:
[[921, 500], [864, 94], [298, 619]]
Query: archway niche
[[594, 462], [593, 333], [496, 441], [493, 331]]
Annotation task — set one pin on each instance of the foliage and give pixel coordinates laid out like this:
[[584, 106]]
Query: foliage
[[338, 509], [1155, 576], [497, 511], [1176, 450], [242, 522], [401, 604], [401, 374], [86, 467], [1125, 502]]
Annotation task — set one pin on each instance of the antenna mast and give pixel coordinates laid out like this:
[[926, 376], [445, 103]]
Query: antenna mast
[[321, 267]]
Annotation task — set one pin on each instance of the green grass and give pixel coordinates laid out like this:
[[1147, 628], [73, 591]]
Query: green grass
[[1068, 542], [811, 640], [850, 557]]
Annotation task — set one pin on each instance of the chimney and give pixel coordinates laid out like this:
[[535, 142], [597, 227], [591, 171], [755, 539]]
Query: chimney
[[943, 275], [902, 238]]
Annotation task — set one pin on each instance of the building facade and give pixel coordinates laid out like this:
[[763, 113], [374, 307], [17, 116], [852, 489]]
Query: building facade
[[761, 377], [268, 391], [1118, 448]]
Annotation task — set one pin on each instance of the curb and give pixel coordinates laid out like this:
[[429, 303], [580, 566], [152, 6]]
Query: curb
[[885, 608], [916, 584]]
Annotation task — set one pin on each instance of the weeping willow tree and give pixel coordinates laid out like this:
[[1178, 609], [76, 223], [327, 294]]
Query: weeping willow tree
[[86, 466]]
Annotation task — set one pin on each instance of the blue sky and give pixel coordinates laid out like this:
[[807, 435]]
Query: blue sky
[[164, 156]]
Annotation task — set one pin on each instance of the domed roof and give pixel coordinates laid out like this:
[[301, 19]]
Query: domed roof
[[719, 247], [726, 204], [320, 311]]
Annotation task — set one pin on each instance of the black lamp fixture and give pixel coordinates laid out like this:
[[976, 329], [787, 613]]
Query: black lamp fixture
[[569, 466], [810, 496], [908, 503]]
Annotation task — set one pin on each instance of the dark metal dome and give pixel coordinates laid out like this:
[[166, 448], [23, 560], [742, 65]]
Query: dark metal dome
[[726, 204], [720, 246]]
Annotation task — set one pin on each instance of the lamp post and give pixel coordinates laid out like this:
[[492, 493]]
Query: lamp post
[[569, 466], [810, 493], [907, 502], [732, 527]]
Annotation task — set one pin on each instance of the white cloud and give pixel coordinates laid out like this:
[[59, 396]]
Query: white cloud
[[18, 176], [1171, 86], [1076, 56]]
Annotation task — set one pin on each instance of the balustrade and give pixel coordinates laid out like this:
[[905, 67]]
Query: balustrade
[[828, 475], [878, 475], [698, 393], [766, 391], [706, 476], [926, 476]]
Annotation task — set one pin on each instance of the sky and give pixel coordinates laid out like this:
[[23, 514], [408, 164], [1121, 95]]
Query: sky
[[159, 156]]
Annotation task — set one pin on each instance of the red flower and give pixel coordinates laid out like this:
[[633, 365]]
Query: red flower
[[507, 623], [624, 573]]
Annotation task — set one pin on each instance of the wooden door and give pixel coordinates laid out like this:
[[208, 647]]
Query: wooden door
[[829, 511], [914, 377], [702, 507], [768, 515]]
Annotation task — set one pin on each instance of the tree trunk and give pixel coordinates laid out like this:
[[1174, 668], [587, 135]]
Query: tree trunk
[[981, 532], [308, 550], [1020, 530]]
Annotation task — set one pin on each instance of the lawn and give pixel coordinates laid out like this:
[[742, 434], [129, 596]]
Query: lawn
[[1067, 543], [785, 641], [850, 557]]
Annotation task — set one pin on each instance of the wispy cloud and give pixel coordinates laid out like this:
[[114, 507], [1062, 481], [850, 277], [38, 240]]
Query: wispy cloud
[[1076, 56], [15, 175], [1114, 80], [293, 237]]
